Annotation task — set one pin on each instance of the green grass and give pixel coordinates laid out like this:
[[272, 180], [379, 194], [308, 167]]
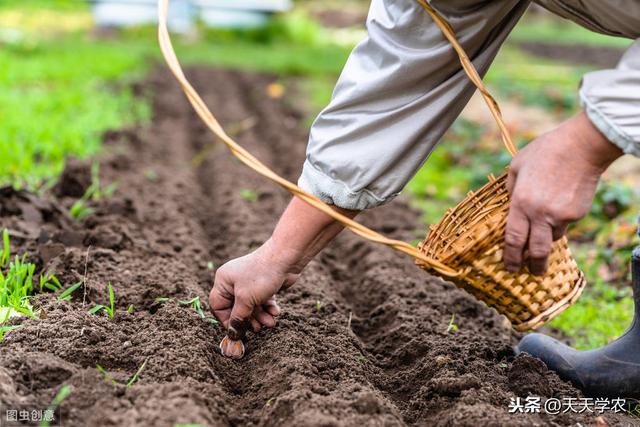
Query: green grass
[[16, 282], [63, 88]]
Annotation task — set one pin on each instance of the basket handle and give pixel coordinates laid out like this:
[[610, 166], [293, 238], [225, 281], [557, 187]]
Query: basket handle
[[252, 162]]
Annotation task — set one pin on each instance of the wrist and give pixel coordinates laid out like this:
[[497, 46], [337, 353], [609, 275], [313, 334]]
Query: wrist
[[591, 145], [282, 256]]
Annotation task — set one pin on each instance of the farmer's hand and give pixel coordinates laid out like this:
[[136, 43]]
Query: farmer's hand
[[244, 289], [552, 182]]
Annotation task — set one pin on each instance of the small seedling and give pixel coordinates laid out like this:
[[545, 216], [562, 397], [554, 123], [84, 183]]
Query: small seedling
[[210, 265], [79, 210], [130, 382], [6, 248], [318, 305], [452, 326], [248, 195], [130, 309], [50, 282], [269, 402], [212, 320], [66, 294], [361, 357], [195, 304], [110, 309], [106, 375], [5, 329], [162, 299], [60, 396], [151, 175], [503, 365], [134, 379]]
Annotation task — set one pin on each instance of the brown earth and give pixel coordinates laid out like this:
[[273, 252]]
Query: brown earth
[[178, 206]]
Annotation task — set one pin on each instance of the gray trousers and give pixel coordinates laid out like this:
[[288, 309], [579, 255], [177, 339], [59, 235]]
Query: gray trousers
[[402, 88]]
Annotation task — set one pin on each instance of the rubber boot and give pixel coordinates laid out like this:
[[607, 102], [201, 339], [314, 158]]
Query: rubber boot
[[609, 371]]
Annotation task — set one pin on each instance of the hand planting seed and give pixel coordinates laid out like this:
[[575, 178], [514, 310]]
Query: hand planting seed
[[110, 309]]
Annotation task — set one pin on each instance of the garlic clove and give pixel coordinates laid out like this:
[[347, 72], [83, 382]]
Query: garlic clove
[[233, 349]]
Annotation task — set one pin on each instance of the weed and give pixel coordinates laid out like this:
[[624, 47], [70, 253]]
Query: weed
[[5, 329], [452, 326], [60, 396], [248, 195], [79, 210], [151, 175], [195, 304], [110, 309], [130, 382], [66, 294], [106, 375], [134, 379]]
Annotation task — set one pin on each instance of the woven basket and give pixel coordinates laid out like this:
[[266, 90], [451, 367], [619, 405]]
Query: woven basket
[[466, 246], [470, 239]]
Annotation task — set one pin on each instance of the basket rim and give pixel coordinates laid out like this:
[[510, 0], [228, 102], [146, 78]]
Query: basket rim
[[557, 308]]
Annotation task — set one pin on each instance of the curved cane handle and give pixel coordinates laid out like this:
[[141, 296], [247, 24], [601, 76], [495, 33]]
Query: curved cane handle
[[249, 160]]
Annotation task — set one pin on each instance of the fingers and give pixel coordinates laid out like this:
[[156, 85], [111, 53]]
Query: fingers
[[540, 239], [272, 307], [221, 302], [559, 232], [515, 238], [241, 315]]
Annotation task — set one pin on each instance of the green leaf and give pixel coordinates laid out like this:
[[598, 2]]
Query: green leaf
[[66, 294], [112, 297], [6, 250], [97, 308], [136, 376], [130, 309]]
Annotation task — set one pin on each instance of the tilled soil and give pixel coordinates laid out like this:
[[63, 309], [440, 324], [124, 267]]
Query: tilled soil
[[363, 337]]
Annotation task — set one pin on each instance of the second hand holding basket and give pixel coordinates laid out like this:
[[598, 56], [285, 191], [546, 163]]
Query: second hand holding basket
[[466, 245]]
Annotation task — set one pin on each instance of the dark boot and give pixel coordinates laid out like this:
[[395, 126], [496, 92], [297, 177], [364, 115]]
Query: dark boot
[[609, 371]]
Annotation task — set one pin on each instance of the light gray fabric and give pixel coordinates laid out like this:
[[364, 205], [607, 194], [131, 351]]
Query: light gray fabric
[[401, 89], [611, 99]]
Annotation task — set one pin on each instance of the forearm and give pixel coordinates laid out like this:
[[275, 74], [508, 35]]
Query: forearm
[[301, 233]]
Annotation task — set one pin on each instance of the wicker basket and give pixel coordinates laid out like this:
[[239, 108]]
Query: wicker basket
[[470, 239]]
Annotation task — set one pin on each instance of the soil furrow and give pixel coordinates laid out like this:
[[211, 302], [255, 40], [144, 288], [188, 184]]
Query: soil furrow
[[182, 202]]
